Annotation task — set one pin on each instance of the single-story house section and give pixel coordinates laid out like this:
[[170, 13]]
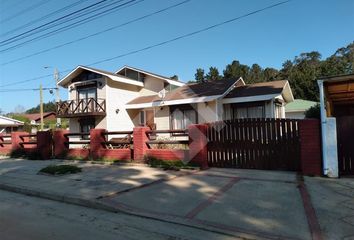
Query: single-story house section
[[8, 125], [129, 97], [297, 108], [213, 101], [35, 118]]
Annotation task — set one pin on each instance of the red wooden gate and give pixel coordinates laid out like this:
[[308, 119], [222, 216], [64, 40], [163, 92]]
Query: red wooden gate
[[271, 144], [345, 142]]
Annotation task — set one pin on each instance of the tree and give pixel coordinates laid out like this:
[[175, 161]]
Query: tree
[[47, 107], [199, 75], [255, 74], [270, 74], [213, 74], [236, 70]]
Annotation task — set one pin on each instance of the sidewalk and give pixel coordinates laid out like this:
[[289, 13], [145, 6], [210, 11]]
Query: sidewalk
[[248, 204]]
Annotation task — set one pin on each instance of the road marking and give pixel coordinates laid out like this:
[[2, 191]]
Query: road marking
[[195, 211]]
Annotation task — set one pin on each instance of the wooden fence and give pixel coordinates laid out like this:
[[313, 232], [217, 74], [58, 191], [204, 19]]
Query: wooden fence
[[255, 144]]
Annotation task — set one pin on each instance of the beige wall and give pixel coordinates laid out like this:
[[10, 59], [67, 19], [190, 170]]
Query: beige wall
[[207, 112], [162, 118], [151, 86]]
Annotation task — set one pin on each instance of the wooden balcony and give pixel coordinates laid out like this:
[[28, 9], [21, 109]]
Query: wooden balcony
[[81, 108]]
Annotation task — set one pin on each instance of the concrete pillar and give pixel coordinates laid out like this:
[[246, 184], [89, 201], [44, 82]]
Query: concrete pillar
[[97, 138], [59, 141], [310, 147], [140, 147], [198, 145], [45, 144]]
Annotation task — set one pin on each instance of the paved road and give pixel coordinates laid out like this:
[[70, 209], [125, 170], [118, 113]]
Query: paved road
[[24, 217]]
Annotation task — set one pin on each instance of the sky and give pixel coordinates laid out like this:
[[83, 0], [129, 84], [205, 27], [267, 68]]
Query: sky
[[268, 38]]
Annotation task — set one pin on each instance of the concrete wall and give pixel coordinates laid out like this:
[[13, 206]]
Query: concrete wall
[[331, 158]]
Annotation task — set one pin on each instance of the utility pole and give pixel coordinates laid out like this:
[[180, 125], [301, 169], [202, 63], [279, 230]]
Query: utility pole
[[41, 105], [57, 99]]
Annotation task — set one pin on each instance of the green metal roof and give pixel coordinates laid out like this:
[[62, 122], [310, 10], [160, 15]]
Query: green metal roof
[[299, 105]]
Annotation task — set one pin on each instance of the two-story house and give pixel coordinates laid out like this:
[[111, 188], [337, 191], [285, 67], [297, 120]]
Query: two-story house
[[132, 97]]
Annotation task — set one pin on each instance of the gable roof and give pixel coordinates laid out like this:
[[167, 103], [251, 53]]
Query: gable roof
[[189, 93], [64, 82], [6, 121], [37, 116], [260, 92], [167, 79], [299, 105]]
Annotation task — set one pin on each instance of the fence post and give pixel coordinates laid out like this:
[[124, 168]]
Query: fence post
[[140, 138], [60, 147], [44, 144], [310, 147], [16, 140], [198, 145], [97, 138]]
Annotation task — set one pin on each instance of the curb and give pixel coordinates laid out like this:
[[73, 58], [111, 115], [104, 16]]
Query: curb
[[99, 205]]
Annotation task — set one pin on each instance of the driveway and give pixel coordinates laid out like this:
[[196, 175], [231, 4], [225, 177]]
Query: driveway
[[248, 204]]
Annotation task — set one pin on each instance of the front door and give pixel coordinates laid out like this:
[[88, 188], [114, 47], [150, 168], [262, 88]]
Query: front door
[[150, 119], [85, 96], [345, 135]]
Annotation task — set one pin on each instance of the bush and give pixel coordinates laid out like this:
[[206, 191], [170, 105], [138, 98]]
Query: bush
[[60, 169], [21, 153], [313, 112], [168, 164]]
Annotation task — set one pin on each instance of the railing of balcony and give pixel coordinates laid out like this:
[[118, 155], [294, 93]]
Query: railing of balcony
[[88, 106]]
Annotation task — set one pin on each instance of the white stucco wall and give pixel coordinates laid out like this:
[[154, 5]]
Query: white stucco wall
[[162, 118], [117, 95], [331, 151]]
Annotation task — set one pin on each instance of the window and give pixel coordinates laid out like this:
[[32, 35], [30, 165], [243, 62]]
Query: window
[[251, 110], [183, 116], [142, 118], [87, 75], [86, 125]]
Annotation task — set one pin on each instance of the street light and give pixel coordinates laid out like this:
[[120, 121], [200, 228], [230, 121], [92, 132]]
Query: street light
[[57, 98]]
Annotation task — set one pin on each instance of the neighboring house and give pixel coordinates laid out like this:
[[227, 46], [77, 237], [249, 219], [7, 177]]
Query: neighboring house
[[297, 108], [132, 97], [8, 125], [35, 118]]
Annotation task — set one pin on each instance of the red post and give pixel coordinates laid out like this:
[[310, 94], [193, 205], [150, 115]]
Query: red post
[[97, 138], [140, 138], [60, 147], [198, 145], [16, 140], [310, 144], [44, 144]]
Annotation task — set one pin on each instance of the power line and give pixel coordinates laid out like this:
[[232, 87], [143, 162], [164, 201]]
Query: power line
[[42, 18], [170, 40], [27, 89], [97, 33], [26, 10], [55, 20], [76, 24]]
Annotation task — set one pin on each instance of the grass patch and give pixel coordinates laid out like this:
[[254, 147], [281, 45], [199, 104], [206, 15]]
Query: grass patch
[[60, 169], [169, 164]]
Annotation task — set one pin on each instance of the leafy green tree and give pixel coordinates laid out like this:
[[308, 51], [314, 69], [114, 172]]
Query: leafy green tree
[[47, 107], [270, 74], [236, 70], [200, 75], [313, 112], [213, 74], [255, 74]]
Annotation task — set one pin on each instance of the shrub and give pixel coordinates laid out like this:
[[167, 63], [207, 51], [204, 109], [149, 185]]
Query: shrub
[[22, 153], [313, 112], [168, 164], [60, 169]]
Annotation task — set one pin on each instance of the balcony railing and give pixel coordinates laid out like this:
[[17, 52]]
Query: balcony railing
[[81, 107]]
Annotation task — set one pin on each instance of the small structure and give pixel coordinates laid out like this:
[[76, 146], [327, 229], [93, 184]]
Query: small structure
[[337, 119], [35, 118], [297, 108], [8, 125]]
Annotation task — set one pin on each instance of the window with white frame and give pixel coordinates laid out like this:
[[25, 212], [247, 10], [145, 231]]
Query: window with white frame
[[248, 110], [182, 116]]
